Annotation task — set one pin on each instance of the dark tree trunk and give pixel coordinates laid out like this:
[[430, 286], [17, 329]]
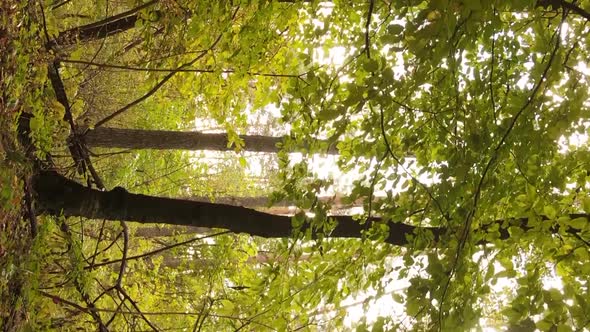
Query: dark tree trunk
[[178, 140], [103, 28], [57, 194]]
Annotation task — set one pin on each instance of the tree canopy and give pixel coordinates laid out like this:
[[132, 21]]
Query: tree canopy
[[455, 132]]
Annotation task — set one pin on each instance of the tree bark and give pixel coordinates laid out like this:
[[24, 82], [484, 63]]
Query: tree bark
[[87, 33], [57, 194], [103, 28], [176, 140]]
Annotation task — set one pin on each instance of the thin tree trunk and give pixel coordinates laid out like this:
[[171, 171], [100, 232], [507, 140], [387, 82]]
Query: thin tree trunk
[[164, 231], [178, 140], [103, 28], [262, 203], [336, 201]]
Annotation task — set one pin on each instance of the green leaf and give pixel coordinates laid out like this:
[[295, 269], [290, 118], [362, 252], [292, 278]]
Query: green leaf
[[370, 65], [472, 4], [582, 254], [227, 306], [395, 29], [544, 325], [413, 307], [578, 223], [564, 328], [512, 314], [243, 161], [555, 294], [398, 298], [550, 212]]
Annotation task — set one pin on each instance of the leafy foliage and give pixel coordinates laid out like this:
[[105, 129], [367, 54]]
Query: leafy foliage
[[470, 116]]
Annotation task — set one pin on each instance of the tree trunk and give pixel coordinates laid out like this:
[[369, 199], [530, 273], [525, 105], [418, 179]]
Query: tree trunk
[[262, 203], [87, 33], [57, 194], [164, 231], [177, 140], [103, 28], [336, 201]]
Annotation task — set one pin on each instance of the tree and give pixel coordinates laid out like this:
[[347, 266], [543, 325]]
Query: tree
[[265, 204], [103, 28], [57, 195], [170, 140], [481, 94]]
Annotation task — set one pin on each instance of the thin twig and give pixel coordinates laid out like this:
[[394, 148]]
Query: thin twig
[[492, 75], [372, 189], [367, 31], [159, 84], [178, 70], [492, 160], [125, 232], [397, 160], [134, 304], [153, 252]]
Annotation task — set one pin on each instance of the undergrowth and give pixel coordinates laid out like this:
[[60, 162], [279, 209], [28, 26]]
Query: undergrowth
[[24, 88]]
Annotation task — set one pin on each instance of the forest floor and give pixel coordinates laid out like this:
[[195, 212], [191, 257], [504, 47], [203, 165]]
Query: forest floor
[[15, 229], [16, 235]]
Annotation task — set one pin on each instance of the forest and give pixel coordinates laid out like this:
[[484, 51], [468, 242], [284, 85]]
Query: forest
[[294, 165]]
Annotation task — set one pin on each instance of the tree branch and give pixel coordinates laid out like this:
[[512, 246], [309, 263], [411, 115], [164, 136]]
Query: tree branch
[[178, 70], [157, 86]]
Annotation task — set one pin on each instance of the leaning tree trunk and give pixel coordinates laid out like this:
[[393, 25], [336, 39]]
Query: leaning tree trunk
[[178, 140], [103, 28], [57, 194]]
